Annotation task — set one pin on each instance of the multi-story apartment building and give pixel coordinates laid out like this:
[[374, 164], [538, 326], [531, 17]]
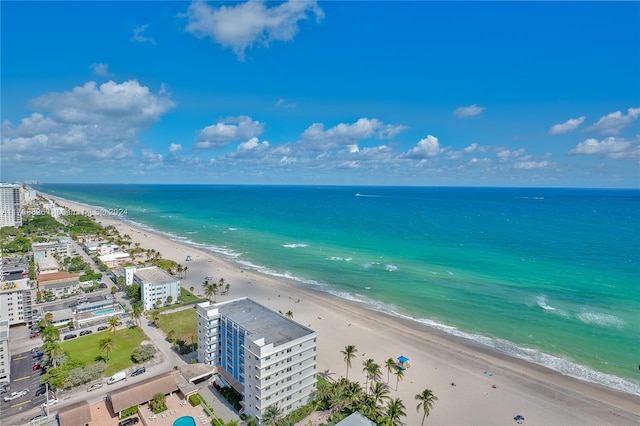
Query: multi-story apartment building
[[61, 248], [10, 214], [15, 301], [5, 355], [270, 358], [156, 286]]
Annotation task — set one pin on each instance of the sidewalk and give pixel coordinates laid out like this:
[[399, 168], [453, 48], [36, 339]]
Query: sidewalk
[[221, 406]]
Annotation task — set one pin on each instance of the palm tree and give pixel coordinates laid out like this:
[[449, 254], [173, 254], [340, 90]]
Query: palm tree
[[209, 291], [395, 410], [427, 400], [136, 311], [112, 325], [186, 268], [51, 334], [271, 415], [379, 393], [391, 367], [48, 317], [289, 314], [366, 368], [353, 393], [349, 354], [221, 284], [399, 376], [106, 345], [374, 373], [227, 286]]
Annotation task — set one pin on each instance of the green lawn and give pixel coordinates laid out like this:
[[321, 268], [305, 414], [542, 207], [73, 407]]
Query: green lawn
[[184, 323], [86, 348]]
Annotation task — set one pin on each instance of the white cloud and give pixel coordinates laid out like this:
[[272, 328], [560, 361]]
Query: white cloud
[[468, 111], [612, 147], [138, 37], [252, 144], [283, 104], [529, 165], [174, 147], [427, 147], [613, 123], [349, 134], [100, 69], [506, 155], [88, 123], [245, 24], [568, 126], [229, 130]]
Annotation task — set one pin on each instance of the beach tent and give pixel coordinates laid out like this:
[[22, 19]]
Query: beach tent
[[188, 257]]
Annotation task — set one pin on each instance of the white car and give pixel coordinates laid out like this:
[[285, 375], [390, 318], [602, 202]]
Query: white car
[[15, 395], [94, 387], [49, 403]]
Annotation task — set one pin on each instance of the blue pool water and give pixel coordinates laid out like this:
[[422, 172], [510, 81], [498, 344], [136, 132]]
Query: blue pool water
[[104, 311], [185, 421]]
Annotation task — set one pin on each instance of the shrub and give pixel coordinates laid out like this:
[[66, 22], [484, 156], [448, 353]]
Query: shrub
[[194, 399], [143, 353], [129, 412]]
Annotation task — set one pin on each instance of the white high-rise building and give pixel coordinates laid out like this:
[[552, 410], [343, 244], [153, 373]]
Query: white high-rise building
[[10, 205], [16, 301], [5, 355], [267, 357]]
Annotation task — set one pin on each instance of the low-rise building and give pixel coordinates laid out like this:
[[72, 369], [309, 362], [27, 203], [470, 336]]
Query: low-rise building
[[269, 358], [61, 248], [158, 287], [113, 260], [47, 265], [59, 283]]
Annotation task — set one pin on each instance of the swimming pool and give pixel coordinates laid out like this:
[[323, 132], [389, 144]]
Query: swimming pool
[[185, 421], [106, 311]]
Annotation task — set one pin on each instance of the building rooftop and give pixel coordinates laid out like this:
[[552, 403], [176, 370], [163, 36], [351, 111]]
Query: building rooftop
[[48, 263], [62, 276], [261, 321], [154, 275], [16, 285]]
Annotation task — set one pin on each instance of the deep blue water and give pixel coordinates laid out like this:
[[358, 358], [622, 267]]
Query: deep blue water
[[549, 275]]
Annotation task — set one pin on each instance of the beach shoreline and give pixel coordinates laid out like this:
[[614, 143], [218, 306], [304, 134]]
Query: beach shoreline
[[490, 387]]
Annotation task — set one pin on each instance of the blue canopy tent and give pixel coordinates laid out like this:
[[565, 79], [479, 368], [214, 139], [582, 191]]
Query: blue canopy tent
[[403, 362]]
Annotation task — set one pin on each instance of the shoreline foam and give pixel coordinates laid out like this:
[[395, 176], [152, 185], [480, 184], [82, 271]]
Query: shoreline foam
[[520, 371]]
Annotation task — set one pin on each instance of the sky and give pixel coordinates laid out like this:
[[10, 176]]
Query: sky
[[532, 94]]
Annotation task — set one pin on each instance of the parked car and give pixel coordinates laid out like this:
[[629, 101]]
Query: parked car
[[102, 328], [15, 395], [138, 371], [41, 390], [37, 354], [94, 387], [103, 285], [85, 332], [130, 421], [70, 336], [36, 367], [49, 403], [34, 335], [37, 419]]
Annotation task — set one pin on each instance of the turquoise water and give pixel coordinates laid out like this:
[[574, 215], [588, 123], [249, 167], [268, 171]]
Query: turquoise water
[[103, 311], [184, 421], [548, 275]]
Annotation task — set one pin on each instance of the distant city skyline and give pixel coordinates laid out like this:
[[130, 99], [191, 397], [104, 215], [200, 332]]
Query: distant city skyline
[[322, 93]]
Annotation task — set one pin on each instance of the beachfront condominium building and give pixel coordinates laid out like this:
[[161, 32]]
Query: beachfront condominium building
[[5, 355], [158, 288], [10, 214], [267, 357], [15, 301]]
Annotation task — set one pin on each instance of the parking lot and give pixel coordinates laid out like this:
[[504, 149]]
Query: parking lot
[[23, 377]]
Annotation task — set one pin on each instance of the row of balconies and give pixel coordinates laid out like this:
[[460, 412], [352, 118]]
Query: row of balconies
[[289, 370], [304, 392]]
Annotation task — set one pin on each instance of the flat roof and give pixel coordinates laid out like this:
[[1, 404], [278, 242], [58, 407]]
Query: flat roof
[[261, 321], [154, 275]]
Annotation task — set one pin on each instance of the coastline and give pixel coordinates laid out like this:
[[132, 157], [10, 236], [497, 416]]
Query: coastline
[[541, 395]]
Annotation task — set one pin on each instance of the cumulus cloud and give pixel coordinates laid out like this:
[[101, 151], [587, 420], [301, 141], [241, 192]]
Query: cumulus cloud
[[139, 38], [425, 148], [252, 144], [568, 126], [100, 69], [88, 123], [245, 24], [174, 147], [468, 111], [612, 147], [529, 165], [349, 134], [613, 123], [229, 130]]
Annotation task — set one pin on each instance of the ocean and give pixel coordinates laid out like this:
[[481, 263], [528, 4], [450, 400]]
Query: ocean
[[548, 275]]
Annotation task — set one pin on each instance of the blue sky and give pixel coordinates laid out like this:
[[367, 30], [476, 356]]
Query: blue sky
[[327, 93]]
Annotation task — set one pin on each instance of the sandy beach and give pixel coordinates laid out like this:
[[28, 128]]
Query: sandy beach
[[490, 388]]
